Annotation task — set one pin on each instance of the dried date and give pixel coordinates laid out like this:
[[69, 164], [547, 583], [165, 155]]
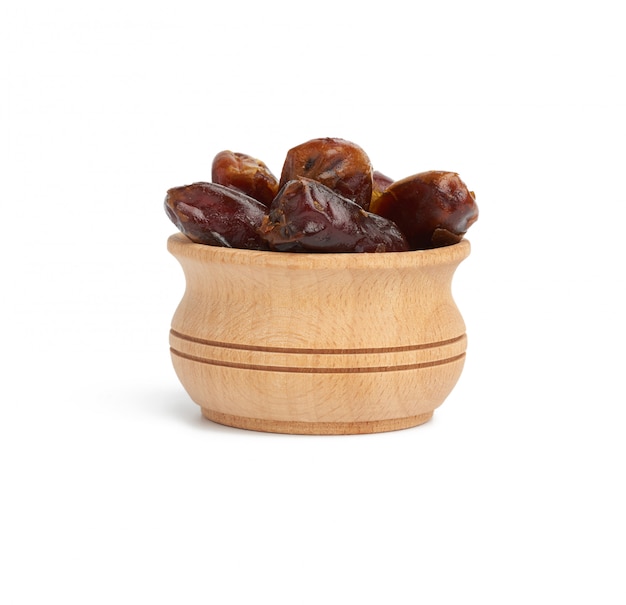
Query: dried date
[[432, 208], [209, 213], [339, 164], [380, 183], [307, 216], [246, 174]]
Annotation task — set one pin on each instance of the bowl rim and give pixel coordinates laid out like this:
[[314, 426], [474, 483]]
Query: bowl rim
[[179, 244]]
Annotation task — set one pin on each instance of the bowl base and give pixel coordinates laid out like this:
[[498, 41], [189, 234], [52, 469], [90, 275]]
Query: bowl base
[[316, 428]]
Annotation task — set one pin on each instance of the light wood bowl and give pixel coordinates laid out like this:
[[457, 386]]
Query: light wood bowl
[[317, 343]]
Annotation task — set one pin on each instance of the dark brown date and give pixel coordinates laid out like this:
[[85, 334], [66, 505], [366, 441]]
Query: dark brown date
[[307, 216], [208, 213], [246, 174], [432, 208], [380, 183], [336, 163]]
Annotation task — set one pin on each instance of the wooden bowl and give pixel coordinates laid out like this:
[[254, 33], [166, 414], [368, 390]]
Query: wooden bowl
[[317, 343]]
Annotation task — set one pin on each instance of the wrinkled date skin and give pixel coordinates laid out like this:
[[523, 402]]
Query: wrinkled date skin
[[246, 174], [307, 216], [340, 165], [431, 208], [209, 213]]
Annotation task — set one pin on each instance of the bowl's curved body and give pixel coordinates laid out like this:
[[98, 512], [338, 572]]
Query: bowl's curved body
[[317, 343]]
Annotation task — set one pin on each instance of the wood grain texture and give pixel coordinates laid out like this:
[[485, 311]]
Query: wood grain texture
[[317, 343]]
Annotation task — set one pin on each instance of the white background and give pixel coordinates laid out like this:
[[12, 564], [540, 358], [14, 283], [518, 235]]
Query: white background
[[114, 490]]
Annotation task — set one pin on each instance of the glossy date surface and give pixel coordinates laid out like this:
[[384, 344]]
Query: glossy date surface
[[246, 174], [339, 164], [307, 216], [380, 183], [209, 213], [432, 208]]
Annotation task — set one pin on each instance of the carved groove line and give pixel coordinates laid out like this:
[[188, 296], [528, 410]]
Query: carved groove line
[[262, 349], [352, 370]]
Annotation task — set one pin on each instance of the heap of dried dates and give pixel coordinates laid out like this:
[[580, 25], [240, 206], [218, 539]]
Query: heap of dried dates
[[328, 199]]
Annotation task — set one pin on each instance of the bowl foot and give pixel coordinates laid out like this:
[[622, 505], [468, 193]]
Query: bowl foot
[[316, 428]]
